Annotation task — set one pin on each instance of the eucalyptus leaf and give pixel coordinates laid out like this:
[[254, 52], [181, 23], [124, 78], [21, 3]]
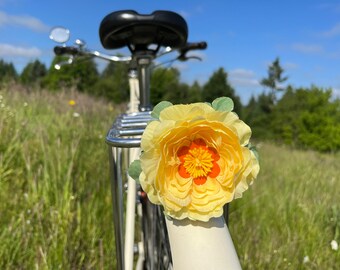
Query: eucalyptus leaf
[[256, 153], [223, 104], [135, 169], [160, 107]]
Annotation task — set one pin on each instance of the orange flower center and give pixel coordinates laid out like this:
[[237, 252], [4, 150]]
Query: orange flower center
[[198, 161]]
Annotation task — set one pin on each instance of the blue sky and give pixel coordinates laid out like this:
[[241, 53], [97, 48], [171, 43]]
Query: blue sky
[[243, 37]]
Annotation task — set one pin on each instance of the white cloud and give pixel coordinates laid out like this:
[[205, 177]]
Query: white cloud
[[184, 14], [307, 48], [334, 31], [4, 2], [181, 66], [333, 7], [290, 66], [23, 21], [243, 78], [336, 92], [11, 50]]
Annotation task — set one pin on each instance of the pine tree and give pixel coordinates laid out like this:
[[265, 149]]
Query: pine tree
[[33, 73], [218, 86]]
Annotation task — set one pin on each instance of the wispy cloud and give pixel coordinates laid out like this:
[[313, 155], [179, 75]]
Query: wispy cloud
[[11, 50], [334, 31], [307, 48], [243, 78], [333, 7], [336, 92], [4, 2], [23, 21], [290, 66], [193, 11], [184, 14]]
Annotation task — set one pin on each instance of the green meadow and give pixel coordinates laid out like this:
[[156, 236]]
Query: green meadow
[[55, 201]]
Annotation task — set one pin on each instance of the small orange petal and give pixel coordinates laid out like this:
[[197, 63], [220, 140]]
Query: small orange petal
[[214, 153], [215, 170], [182, 152], [200, 180], [183, 172]]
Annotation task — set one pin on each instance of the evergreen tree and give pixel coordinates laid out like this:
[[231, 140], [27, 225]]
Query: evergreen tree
[[218, 86], [307, 117], [7, 71], [80, 74], [179, 94], [33, 73], [165, 85], [275, 78], [257, 114], [195, 92], [114, 82]]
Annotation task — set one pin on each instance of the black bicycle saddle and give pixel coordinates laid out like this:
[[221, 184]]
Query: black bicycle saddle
[[127, 27]]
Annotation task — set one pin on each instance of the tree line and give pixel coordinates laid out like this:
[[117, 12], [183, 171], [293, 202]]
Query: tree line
[[301, 117]]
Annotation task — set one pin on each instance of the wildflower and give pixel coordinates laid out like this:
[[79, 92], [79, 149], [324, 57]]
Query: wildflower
[[76, 115], [195, 159], [71, 102], [306, 259], [334, 245], [25, 104]]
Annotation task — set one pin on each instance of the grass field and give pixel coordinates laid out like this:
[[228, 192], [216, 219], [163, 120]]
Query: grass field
[[55, 205]]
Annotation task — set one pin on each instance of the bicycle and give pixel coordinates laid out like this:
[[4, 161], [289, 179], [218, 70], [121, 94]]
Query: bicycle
[[148, 37]]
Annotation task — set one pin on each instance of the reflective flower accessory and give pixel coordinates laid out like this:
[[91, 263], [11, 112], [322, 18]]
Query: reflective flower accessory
[[195, 159]]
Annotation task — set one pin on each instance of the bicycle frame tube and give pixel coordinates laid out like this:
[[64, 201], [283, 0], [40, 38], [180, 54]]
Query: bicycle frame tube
[[131, 184], [130, 215], [115, 157], [124, 138], [134, 91]]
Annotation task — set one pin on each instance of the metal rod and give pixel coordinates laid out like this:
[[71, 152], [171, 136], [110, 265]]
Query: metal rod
[[144, 75], [115, 157]]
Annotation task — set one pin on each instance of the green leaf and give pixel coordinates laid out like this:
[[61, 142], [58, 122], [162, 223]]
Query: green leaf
[[160, 107], [223, 104], [135, 169], [254, 150]]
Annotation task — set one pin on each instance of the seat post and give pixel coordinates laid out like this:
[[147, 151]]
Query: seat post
[[144, 75]]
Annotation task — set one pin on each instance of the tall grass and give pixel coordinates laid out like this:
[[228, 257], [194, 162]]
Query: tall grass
[[54, 186], [55, 205], [290, 215]]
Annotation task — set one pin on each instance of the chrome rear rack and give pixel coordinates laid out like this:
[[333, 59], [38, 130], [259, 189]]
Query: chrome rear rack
[[127, 129]]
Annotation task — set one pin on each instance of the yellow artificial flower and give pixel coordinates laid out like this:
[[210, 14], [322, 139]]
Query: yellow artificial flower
[[195, 159]]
